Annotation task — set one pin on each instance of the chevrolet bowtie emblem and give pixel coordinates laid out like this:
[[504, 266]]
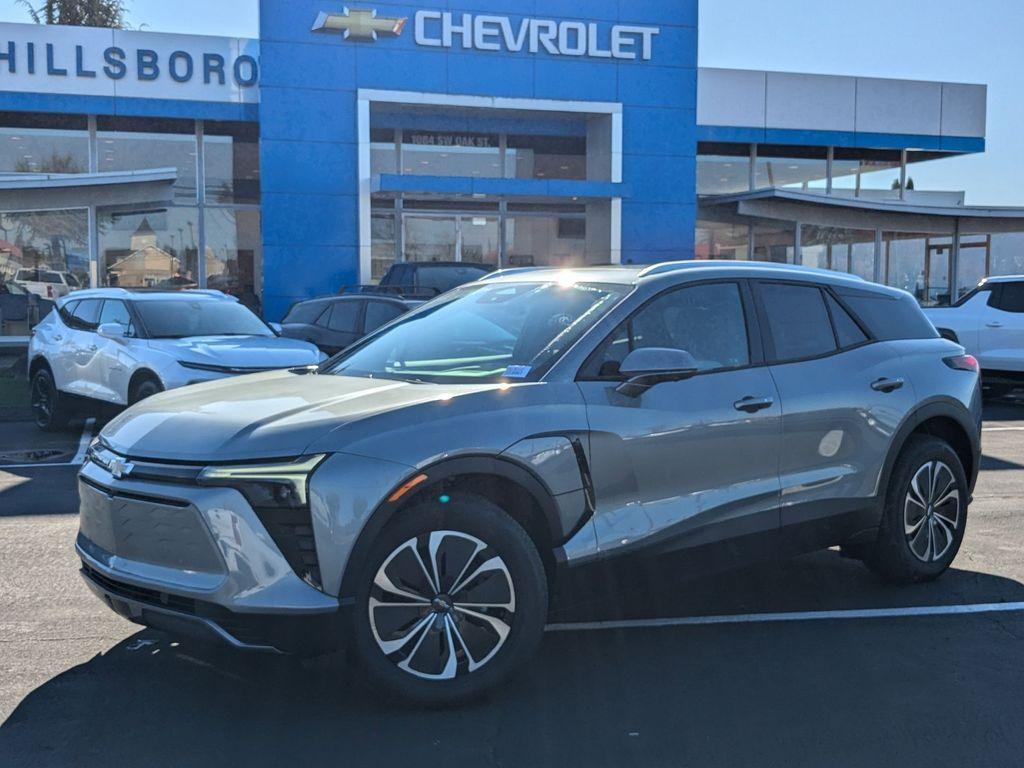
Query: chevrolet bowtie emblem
[[120, 469], [359, 24]]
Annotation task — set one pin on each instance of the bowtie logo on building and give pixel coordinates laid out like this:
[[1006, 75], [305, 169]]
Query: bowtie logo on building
[[359, 24]]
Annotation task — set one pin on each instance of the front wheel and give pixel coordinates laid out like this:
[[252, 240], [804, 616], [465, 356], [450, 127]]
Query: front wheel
[[925, 513], [451, 600], [49, 409], [145, 388]]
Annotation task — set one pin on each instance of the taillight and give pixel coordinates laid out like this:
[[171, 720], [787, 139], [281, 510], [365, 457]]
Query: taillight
[[962, 363]]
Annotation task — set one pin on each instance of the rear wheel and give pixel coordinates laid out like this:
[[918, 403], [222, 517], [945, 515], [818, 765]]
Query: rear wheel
[[451, 600], [49, 406], [925, 513]]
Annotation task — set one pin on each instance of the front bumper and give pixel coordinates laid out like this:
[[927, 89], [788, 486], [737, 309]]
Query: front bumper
[[188, 617], [197, 561]]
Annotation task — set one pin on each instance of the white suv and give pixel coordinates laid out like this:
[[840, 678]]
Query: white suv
[[114, 346], [989, 323]]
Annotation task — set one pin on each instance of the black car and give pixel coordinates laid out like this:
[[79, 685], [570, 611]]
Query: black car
[[423, 279], [20, 309], [335, 322]]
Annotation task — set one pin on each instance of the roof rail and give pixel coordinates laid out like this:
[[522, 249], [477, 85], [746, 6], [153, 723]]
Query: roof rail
[[511, 271], [675, 266]]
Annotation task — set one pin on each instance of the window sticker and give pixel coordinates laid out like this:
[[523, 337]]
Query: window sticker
[[518, 371]]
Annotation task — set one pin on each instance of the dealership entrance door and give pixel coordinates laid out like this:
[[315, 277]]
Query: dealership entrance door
[[471, 237]]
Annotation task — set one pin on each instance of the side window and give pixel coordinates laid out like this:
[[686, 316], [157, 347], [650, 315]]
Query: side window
[[378, 313], [848, 333], [343, 316], [705, 320], [86, 315], [1009, 297], [67, 311], [117, 312], [797, 320]]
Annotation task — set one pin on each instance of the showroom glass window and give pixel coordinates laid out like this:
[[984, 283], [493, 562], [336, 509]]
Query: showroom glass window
[[801, 168], [548, 236], [920, 264], [442, 153], [546, 157], [234, 252], [35, 244], [231, 154], [130, 144], [723, 169], [43, 143], [865, 172], [149, 248]]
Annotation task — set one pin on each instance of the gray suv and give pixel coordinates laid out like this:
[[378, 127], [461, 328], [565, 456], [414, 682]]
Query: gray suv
[[416, 499]]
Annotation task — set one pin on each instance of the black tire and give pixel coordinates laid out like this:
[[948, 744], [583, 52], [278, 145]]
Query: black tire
[[50, 408], [510, 557], [909, 551], [147, 387]]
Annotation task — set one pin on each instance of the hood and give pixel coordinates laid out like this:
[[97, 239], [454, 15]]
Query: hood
[[276, 414], [259, 352]]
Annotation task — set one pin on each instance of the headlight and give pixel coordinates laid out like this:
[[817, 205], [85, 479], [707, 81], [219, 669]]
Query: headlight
[[277, 484]]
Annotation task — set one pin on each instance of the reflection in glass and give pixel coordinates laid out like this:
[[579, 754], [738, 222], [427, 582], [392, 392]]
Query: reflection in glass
[[545, 241], [839, 248], [133, 151], [919, 264], [857, 172], [40, 150], [383, 155], [42, 242], [430, 238], [231, 153], [722, 240], [972, 262], [155, 248], [479, 239], [775, 241], [382, 244], [234, 254], [1007, 257]]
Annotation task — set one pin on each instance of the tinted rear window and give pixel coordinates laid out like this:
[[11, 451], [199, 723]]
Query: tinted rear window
[[305, 312], [848, 333], [797, 320], [888, 317]]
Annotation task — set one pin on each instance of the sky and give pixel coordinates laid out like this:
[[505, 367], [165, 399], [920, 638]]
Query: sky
[[971, 42]]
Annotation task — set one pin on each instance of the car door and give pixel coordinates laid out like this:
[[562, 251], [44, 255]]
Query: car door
[[691, 462], [82, 348], [843, 395], [342, 324], [378, 313], [1001, 330], [115, 359]]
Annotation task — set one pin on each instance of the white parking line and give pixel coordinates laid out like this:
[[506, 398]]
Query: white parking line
[[78, 460], [753, 618], [83, 443], [1002, 429]]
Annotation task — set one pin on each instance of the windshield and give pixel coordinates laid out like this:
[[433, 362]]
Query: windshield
[[486, 332], [176, 319]]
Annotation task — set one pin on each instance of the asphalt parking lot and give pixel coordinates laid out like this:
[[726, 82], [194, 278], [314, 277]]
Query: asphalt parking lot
[[809, 662]]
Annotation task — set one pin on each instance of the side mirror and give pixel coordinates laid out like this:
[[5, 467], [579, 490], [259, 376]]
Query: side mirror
[[643, 368], [276, 328], [114, 331]]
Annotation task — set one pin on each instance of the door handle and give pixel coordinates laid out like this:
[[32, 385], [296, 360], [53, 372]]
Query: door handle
[[886, 385], [752, 404], [994, 324]]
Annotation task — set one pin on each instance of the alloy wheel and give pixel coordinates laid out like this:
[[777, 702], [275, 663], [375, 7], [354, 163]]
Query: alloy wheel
[[442, 605], [41, 399], [931, 511]]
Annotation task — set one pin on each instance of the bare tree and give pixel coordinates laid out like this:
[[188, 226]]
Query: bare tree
[[77, 13]]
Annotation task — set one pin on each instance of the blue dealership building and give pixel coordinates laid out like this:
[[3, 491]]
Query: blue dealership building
[[534, 132]]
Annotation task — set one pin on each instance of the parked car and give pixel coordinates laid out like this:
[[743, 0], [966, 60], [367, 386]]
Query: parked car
[[989, 322], [112, 346], [423, 279], [20, 310], [46, 283], [336, 322], [417, 497]]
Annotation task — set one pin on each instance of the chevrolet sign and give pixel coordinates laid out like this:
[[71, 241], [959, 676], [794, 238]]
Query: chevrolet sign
[[359, 24]]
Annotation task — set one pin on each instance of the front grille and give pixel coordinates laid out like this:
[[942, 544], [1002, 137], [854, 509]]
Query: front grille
[[292, 532], [141, 594]]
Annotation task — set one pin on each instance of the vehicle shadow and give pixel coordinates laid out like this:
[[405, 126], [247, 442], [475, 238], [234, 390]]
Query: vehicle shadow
[[907, 691]]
